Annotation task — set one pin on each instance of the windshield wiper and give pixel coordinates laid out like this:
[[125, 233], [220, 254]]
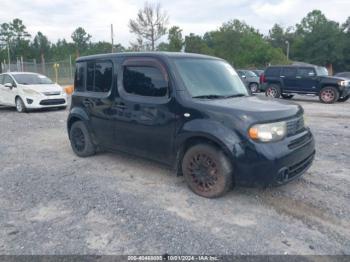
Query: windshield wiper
[[236, 95], [210, 96]]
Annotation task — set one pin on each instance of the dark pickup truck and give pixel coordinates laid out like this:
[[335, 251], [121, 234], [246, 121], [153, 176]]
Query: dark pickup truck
[[285, 81]]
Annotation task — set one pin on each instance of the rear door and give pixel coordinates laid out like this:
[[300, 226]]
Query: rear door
[[1, 89], [144, 109], [97, 97], [288, 76], [307, 80]]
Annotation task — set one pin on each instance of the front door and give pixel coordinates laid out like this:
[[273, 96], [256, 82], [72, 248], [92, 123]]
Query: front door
[[307, 80], [8, 94], [144, 109]]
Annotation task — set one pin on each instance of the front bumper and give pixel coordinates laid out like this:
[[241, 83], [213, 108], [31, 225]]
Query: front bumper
[[42, 101], [275, 163]]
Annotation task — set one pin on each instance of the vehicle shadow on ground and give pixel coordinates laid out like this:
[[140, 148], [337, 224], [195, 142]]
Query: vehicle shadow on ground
[[42, 110]]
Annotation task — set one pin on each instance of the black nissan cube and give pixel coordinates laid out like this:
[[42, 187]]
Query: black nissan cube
[[191, 112]]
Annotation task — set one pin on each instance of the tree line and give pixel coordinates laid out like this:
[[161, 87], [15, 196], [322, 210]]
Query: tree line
[[315, 39]]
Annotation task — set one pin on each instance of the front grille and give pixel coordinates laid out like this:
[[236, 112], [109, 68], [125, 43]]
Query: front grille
[[295, 126], [52, 102], [287, 174], [52, 93], [300, 167]]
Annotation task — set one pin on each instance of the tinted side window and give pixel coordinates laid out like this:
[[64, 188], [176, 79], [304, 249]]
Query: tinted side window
[[273, 71], [306, 72], [99, 76], [103, 76], [79, 77], [144, 81], [1, 79], [289, 71]]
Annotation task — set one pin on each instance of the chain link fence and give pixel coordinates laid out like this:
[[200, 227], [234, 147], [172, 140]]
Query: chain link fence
[[61, 72]]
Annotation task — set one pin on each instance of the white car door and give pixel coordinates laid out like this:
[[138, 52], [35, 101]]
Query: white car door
[[8, 94], [1, 89]]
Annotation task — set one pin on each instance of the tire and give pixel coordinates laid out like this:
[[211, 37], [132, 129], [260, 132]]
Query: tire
[[285, 96], [254, 87], [20, 107], [344, 99], [329, 95], [80, 140], [207, 171], [273, 91]]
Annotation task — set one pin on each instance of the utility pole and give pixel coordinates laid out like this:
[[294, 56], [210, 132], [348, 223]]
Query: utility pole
[[288, 47], [8, 55], [112, 38]]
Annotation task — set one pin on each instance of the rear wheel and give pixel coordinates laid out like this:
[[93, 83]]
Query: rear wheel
[[329, 95], [207, 171], [254, 87], [20, 107], [273, 91], [285, 96], [80, 140], [344, 99]]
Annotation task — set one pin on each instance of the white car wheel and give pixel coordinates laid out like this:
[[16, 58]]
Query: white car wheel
[[20, 105]]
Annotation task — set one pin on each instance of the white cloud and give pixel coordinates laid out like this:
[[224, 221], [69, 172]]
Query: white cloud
[[58, 18]]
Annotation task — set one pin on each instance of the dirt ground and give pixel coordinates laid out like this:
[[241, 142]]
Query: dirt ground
[[52, 202]]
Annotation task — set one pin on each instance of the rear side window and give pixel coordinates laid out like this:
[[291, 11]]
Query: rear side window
[[306, 72], [273, 71], [289, 71], [99, 76], [79, 77], [144, 81]]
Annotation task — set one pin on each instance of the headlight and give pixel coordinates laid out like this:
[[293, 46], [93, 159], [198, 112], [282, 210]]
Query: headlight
[[268, 132], [30, 92], [343, 83]]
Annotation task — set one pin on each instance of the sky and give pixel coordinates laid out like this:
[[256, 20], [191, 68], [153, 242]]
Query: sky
[[57, 19]]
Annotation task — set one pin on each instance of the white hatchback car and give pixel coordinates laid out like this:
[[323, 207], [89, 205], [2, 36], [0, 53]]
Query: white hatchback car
[[30, 91]]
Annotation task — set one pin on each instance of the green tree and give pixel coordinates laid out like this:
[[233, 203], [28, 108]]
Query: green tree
[[150, 25], [319, 41], [195, 44], [81, 40], [41, 46], [175, 38]]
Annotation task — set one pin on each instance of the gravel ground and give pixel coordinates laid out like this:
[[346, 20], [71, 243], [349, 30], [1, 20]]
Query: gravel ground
[[52, 202]]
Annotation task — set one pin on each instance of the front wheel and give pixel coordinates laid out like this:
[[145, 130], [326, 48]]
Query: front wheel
[[207, 171], [273, 91], [329, 95], [254, 87], [344, 99], [20, 107], [80, 140]]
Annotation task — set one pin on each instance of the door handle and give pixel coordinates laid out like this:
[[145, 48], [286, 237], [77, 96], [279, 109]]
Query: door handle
[[120, 106], [282, 76], [299, 77]]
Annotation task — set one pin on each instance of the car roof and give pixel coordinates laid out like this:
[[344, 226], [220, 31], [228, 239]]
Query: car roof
[[293, 66], [148, 54], [20, 73]]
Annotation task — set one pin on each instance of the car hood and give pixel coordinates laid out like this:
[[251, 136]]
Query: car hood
[[43, 88], [252, 109]]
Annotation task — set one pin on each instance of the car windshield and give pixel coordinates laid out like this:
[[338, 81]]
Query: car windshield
[[322, 71], [32, 79], [209, 78]]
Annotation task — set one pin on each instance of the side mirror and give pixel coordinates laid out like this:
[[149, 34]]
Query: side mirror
[[9, 85]]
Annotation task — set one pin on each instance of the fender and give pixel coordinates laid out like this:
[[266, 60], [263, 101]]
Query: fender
[[228, 140], [81, 114]]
